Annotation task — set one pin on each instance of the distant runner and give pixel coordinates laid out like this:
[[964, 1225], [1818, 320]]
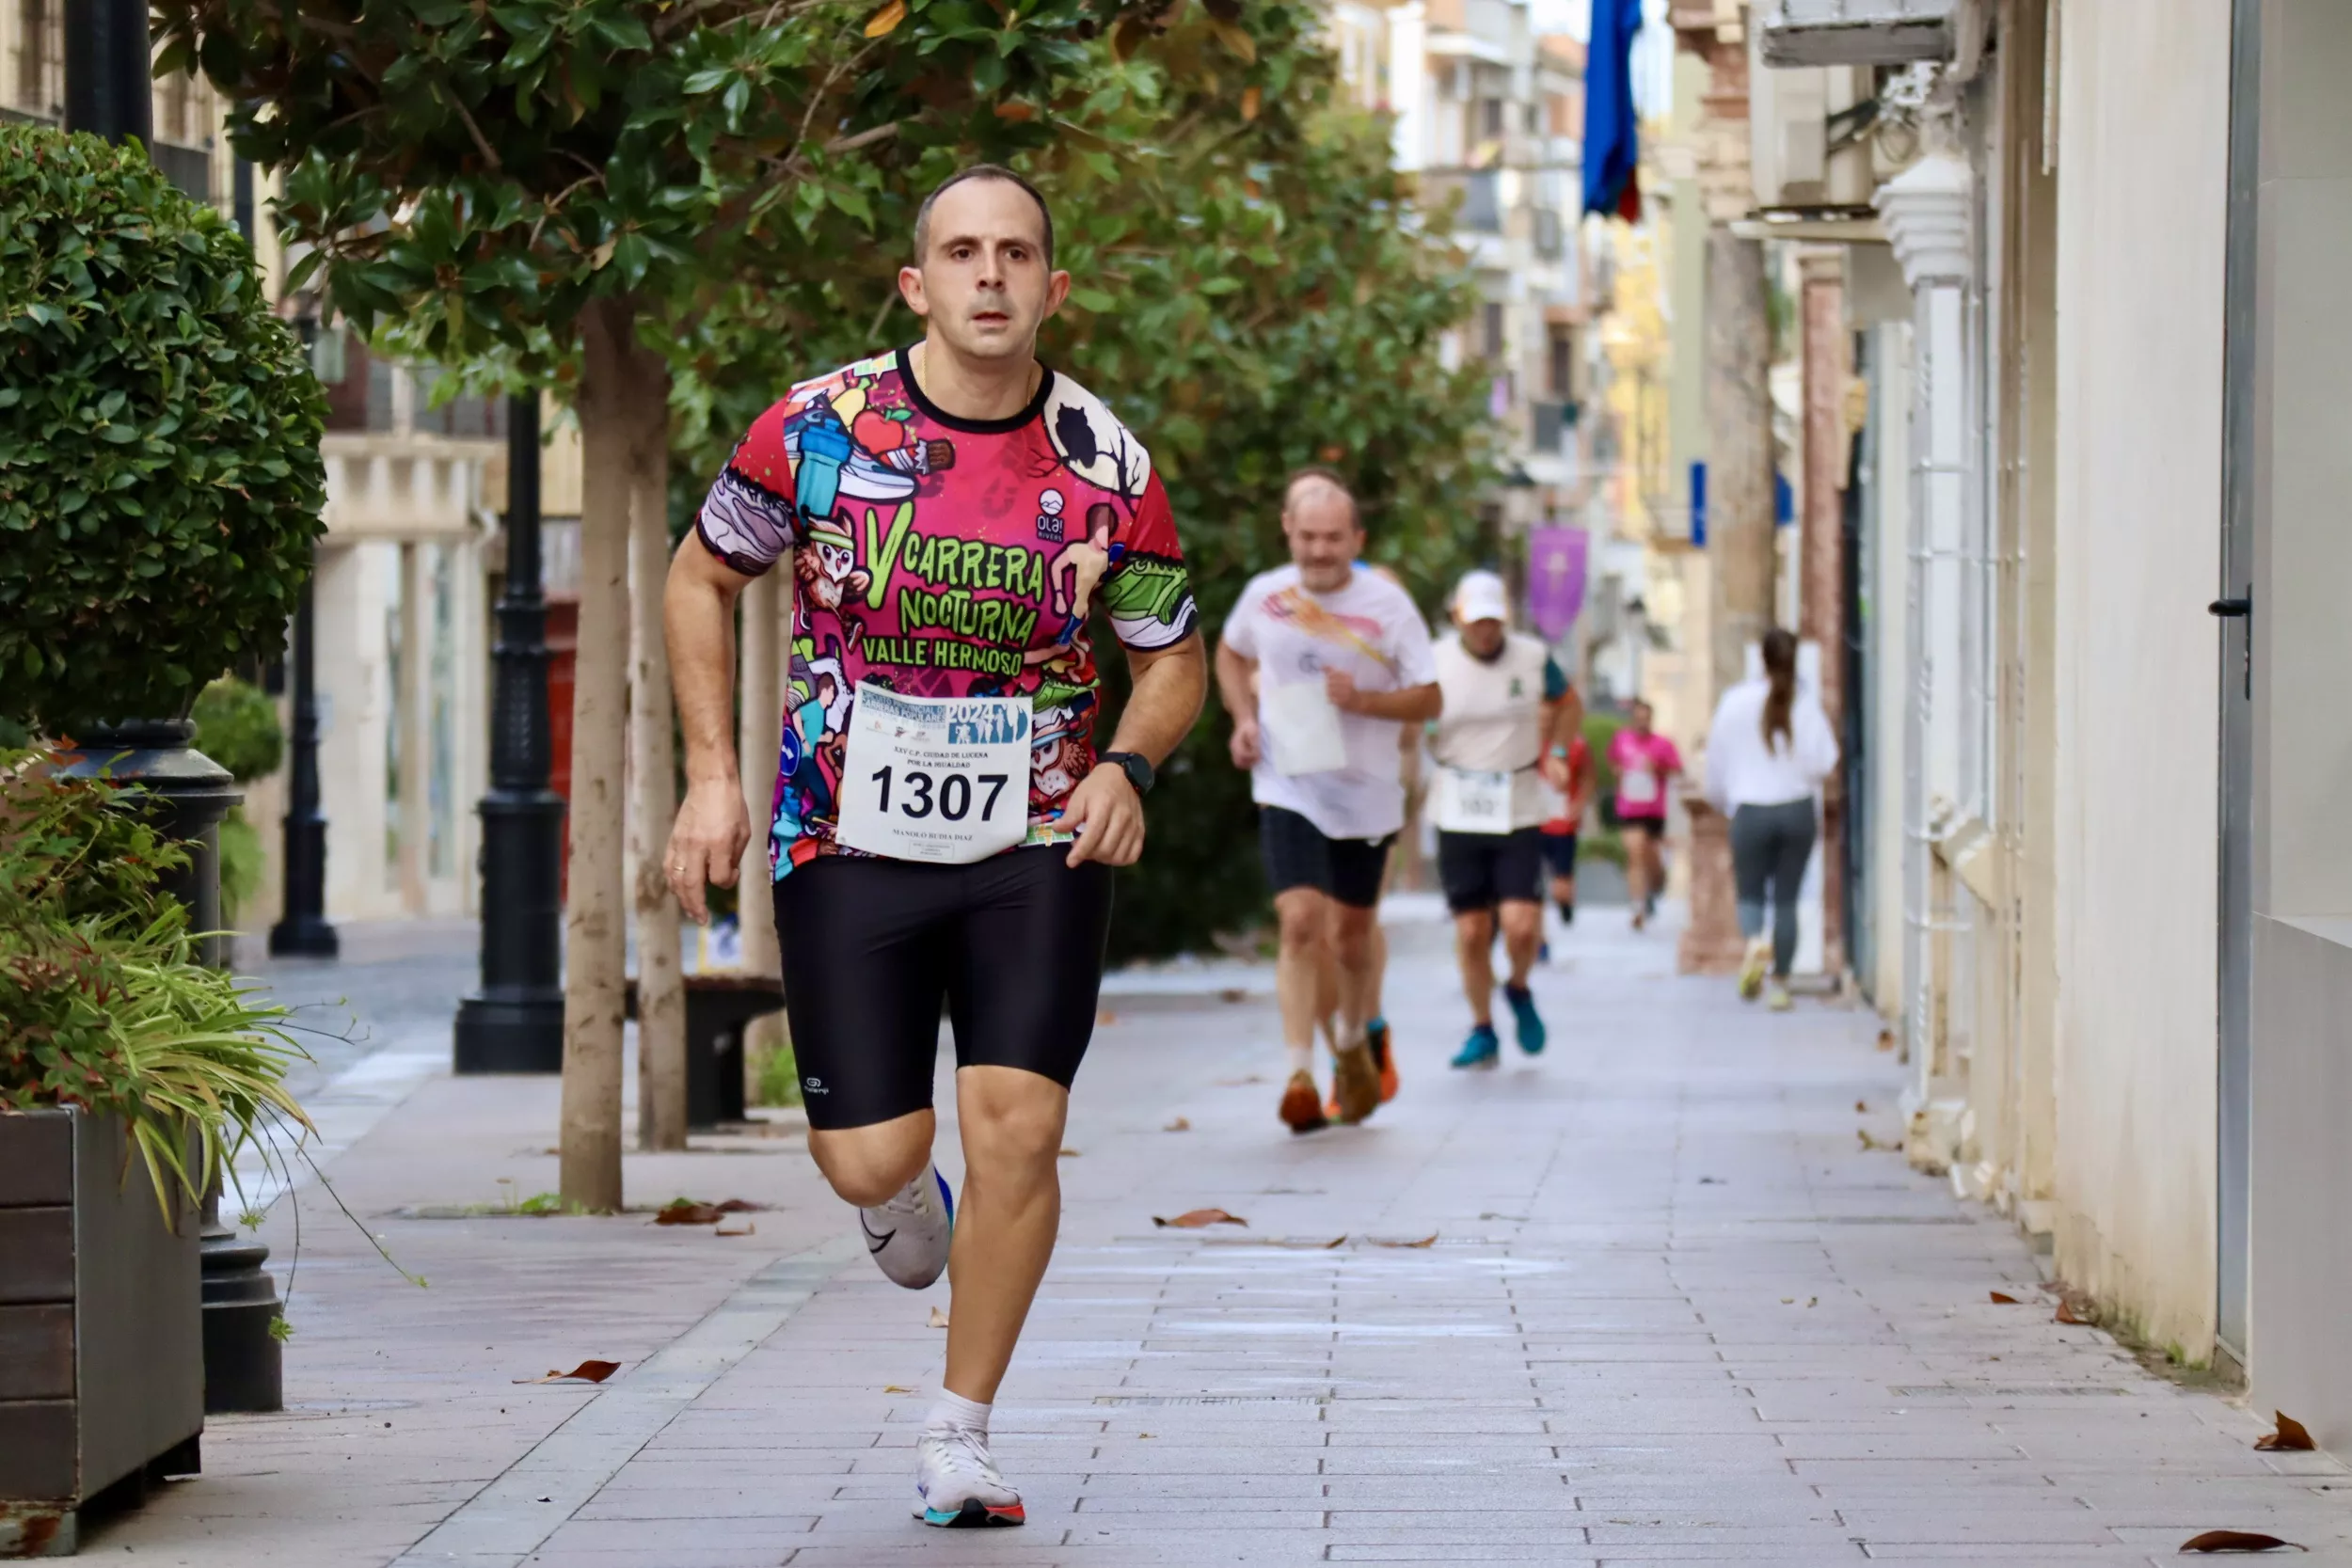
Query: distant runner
[[1768, 750], [943, 830], [1645, 763], [1319, 665], [1564, 821], [1506, 705]]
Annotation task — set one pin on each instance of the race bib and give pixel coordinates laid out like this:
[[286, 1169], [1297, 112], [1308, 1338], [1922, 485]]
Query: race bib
[[1302, 729], [1638, 787], [940, 779], [1470, 803]]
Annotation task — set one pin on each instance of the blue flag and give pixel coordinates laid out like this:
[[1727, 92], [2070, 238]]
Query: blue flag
[[1611, 137]]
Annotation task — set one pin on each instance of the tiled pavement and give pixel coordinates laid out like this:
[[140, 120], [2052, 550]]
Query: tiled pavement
[[1674, 1311]]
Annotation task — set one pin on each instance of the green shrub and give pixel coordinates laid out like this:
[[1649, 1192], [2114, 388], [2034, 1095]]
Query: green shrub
[[102, 1003], [236, 725], [160, 479], [776, 1077]]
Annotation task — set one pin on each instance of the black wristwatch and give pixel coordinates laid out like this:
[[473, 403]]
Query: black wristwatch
[[1138, 770]]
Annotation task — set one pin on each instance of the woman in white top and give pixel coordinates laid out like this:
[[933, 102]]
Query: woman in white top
[[1767, 753]]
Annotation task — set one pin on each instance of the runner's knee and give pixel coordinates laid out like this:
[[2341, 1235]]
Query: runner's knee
[[1521, 920], [866, 1165], [1351, 932], [1301, 918], [1475, 928], [1011, 1121]]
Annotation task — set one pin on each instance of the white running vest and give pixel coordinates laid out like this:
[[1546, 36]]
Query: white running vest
[[1493, 720]]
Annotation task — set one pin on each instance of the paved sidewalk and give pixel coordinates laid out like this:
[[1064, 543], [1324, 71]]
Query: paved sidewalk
[[1674, 1311]]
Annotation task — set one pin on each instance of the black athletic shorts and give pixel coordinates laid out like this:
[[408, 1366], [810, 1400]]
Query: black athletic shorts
[[1010, 945], [1653, 828], [1480, 870], [1297, 854], [1560, 852]]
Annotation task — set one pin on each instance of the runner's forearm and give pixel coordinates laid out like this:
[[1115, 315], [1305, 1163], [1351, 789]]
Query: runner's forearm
[[1410, 706], [1169, 686], [698, 622], [1232, 683], [1568, 718]]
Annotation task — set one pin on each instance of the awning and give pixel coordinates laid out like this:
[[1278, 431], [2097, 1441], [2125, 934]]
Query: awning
[[1856, 32]]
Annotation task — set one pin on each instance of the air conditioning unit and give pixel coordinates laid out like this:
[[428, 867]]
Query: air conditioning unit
[[1807, 148], [1859, 32]]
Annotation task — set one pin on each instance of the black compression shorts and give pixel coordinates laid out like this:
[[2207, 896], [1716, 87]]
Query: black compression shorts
[[1011, 946], [1480, 870], [1560, 853], [1297, 854]]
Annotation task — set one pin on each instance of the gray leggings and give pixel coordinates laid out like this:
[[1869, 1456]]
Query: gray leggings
[[1771, 844]]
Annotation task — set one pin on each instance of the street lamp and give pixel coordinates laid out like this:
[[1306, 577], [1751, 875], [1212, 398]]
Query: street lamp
[[515, 1021], [302, 930], [107, 93]]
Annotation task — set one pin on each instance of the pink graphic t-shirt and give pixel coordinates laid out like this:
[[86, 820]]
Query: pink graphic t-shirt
[[1643, 763], [940, 557]]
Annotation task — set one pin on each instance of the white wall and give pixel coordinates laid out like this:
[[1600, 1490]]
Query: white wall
[[2142, 152], [2300, 471]]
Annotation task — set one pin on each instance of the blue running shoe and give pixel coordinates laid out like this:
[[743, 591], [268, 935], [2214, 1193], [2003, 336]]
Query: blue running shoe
[[1523, 1019], [1481, 1049]]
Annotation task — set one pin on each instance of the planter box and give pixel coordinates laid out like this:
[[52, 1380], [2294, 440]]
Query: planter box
[[102, 1342]]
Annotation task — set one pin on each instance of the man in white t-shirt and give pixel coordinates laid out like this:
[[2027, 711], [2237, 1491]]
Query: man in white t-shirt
[[1507, 708], [1319, 667]]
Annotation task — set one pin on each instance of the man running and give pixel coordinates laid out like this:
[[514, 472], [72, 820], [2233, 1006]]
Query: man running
[[942, 833], [1507, 706], [1645, 763], [1564, 821], [1319, 665]]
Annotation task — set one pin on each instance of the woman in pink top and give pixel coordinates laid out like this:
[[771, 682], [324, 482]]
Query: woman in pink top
[[1643, 761]]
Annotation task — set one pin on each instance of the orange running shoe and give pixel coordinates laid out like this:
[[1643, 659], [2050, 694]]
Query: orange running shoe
[[1302, 1108], [1376, 1037]]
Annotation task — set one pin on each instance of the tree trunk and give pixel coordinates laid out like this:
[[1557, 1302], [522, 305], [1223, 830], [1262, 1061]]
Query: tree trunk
[[761, 651], [1739, 340], [1821, 601], [595, 954], [653, 771]]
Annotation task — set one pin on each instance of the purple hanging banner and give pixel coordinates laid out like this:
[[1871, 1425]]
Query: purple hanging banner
[[1555, 578]]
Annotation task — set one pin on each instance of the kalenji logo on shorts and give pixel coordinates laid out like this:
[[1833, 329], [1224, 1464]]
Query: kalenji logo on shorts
[[813, 1085]]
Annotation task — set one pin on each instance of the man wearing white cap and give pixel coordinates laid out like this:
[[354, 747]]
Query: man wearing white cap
[[1509, 715]]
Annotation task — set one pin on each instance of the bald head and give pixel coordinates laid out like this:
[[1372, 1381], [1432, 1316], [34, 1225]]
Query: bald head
[[1320, 524]]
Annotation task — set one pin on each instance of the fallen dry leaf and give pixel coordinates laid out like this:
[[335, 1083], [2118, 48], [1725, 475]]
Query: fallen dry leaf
[[1332, 1243], [587, 1371], [897, 1388], [1812, 1301], [1193, 1219], [1868, 1142], [1181, 1124], [2002, 1298], [1232, 993], [1430, 1240], [937, 1319], [887, 18], [737, 1230], [1886, 1039], [2237, 1541], [2066, 1314], [687, 1212], [1861, 1108], [1105, 1018], [1237, 1083], [2291, 1435], [740, 1206]]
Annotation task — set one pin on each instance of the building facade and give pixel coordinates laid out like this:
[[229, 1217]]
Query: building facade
[[2106, 639]]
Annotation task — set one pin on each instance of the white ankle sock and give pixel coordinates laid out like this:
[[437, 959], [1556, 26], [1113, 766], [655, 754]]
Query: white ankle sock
[[1302, 1057], [954, 1413]]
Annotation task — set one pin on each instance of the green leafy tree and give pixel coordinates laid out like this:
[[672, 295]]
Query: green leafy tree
[[1253, 291], [558, 184], [160, 480]]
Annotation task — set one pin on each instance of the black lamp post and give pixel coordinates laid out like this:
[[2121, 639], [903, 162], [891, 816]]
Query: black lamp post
[[302, 930], [515, 1021], [107, 93]]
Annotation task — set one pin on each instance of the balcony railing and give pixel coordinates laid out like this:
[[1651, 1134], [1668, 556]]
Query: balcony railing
[[1479, 191]]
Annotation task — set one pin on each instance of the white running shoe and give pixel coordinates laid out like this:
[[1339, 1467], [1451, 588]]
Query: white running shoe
[[908, 1235], [957, 1486]]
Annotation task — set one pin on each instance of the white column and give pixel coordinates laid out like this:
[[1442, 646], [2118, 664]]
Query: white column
[[1408, 84], [1926, 213]]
